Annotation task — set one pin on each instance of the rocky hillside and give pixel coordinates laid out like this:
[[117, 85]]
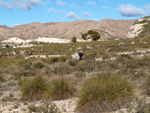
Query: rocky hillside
[[141, 28], [108, 29]]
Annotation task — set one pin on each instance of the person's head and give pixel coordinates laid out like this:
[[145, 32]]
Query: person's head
[[81, 51]]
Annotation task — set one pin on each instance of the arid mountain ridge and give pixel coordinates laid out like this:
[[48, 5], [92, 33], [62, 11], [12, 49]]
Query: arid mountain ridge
[[108, 28]]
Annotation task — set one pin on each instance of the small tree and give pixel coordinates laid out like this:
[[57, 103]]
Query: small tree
[[84, 36], [93, 35], [7, 46], [74, 39]]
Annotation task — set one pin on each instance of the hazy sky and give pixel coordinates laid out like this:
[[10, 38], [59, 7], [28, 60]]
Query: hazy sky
[[16, 12]]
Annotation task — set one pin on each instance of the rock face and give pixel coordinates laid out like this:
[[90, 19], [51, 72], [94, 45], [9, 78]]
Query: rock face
[[108, 28], [138, 27]]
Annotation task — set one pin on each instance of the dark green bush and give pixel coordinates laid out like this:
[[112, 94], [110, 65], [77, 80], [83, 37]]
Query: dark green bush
[[105, 92], [74, 39]]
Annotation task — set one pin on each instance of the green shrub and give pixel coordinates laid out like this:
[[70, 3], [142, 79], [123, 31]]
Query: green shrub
[[62, 59], [80, 74], [52, 60], [105, 92], [33, 88], [38, 65], [60, 88], [74, 39]]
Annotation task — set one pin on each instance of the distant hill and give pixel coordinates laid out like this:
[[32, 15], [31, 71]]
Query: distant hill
[[108, 29]]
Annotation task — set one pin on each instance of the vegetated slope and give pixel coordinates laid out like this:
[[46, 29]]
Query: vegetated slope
[[141, 28], [108, 28]]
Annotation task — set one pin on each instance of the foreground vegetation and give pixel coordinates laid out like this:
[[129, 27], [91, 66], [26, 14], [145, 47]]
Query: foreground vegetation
[[105, 80], [105, 92]]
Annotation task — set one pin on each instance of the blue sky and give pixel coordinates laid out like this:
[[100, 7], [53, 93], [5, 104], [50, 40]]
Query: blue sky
[[16, 12]]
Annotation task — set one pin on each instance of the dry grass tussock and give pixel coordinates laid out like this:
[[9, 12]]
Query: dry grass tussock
[[105, 92], [55, 88]]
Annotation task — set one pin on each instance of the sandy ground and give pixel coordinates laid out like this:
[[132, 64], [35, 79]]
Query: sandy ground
[[42, 56]]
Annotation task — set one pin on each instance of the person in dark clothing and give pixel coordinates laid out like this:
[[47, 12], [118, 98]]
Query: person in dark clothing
[[80, 55]]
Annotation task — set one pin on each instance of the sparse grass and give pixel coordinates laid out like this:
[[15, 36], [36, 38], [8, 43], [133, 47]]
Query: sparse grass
[[147, 86], [62, 69], [1, 78], [38, 65], [33, 88], [62, 59], [80, 74], [105, 92], [52, 60], [72, 63], [60, 88], [86, 66], [143, 106], [46, 107]]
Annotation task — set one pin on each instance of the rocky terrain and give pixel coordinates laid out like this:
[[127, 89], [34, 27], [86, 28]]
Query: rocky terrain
[[108, 28]]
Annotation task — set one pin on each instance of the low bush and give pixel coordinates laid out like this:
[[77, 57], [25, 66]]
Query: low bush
[[74, 39], [62, 69], [33, 88], [52, 60], [60, 88], [72, 63], [80, 74], [105, 92], [38, 65], [62, 59]]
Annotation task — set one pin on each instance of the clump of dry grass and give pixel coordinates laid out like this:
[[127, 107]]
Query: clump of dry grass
[[105, 92], [33, 88], [60, 88]]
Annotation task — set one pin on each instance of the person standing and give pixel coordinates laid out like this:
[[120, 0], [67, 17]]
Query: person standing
[[80, 55], [76, 55]]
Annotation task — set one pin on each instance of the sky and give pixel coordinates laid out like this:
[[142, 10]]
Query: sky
[[16, 12]]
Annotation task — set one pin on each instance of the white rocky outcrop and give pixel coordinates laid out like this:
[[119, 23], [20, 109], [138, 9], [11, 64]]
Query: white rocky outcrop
[[51, 40], [137, 27], [15, 40], [135, 30]]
